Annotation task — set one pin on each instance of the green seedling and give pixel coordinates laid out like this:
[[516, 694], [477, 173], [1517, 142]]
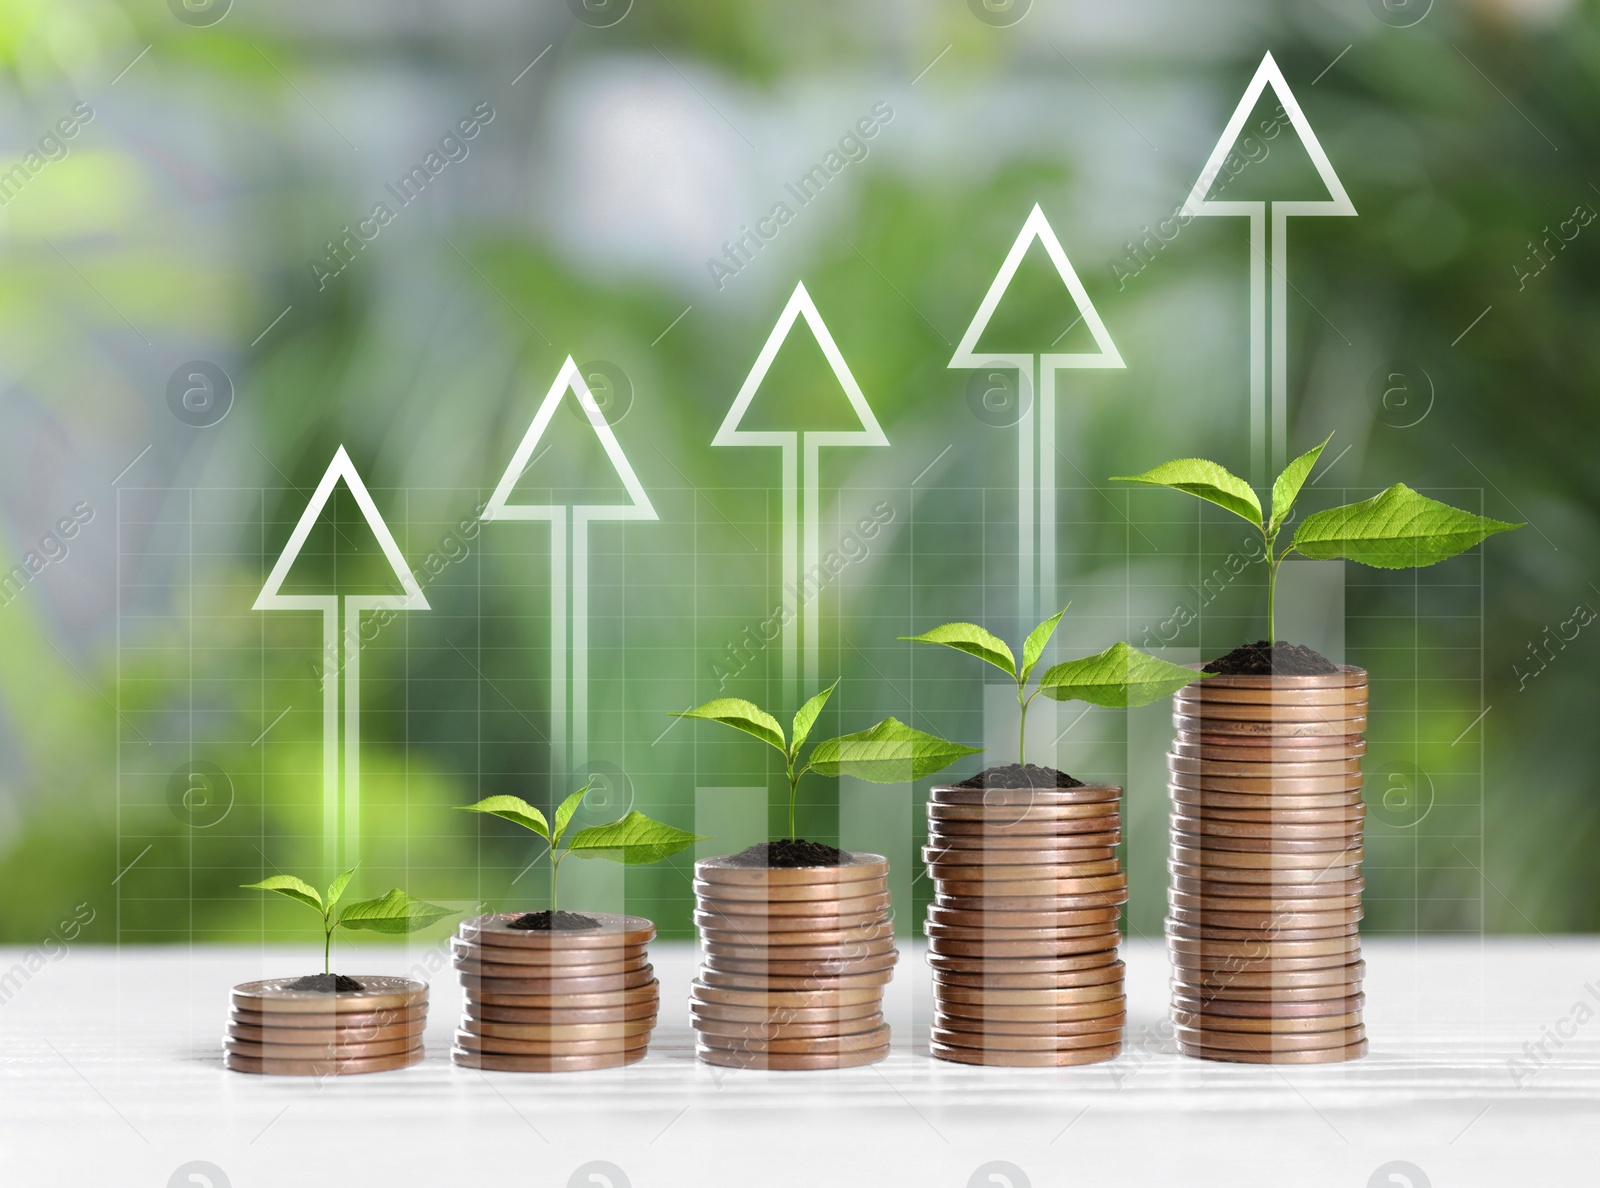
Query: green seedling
[[1398, 529], [1118, 677], [889, 753], [633, 840], [394, 913]]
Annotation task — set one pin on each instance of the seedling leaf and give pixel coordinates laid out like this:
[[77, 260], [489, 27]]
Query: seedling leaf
[[396, 912], [336, 889], [635, 840], [741, 715], [974, 641], [1118, 677], [1207, 480], [1288, 484], [292, 887], [565, 810], [1398, 529], [889, 753], [806, 717], [1033, 647], [513, 809]]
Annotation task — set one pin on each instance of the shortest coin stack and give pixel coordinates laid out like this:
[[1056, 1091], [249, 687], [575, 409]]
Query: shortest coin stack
[[796, 959], [314, 1033], [1022, 932], [561, 1000]]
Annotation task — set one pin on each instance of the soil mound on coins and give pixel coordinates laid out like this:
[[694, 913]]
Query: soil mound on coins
[[327, 983], [1278, 659], [1021, 775], [548, 921], [788, 852]]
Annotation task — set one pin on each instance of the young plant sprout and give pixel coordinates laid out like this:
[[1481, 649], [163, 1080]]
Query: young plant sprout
[[633, 840], [889, 753], [394, 913], [1118, 677], [1398, 529]]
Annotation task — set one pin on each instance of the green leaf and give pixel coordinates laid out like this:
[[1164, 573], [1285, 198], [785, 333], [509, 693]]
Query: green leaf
[[1033, 647], [1398, 529], [1210, 482], [1288, 484], [565, 810], [741, 715], [336, 888], [635, 840], [395, 912], [974, 641], [1119, 677], [806, 717], [889, 753], [292, 887], [513, 809]]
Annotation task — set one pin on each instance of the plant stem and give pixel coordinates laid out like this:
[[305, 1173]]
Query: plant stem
[[327, 944], [1022, 726], [794, 792], [555, 876], [1272, 595]]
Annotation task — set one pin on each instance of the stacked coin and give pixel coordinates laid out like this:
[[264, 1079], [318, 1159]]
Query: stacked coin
[[304, 1033], [1022, 932], [1266, 868], [795, 962], [555, 1000]]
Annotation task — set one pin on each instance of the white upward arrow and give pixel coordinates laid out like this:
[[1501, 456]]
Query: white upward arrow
[[801, 486], [1036, 436], [336, 857], [569, 536], [1268, 249]]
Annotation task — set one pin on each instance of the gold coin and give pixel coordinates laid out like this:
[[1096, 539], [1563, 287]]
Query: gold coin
[[854, 868], [1012, 797], [821, 1045], [469, 1041], [1007, 1058], [1273, 1009], [794, 893], [273, 996], [789, 1031], [1267, 1025], [1063, 964], [478, 1013], [238, 1046], [965, 918], [782, 1062], [745, 981], [321, 1068], [801, 969], [334, 1037], [544, 958], [1323, 1056], [332, 1021], [614, 932], [840, 1018], [577, 999], [493, 1062], [557, 1032], [997, 980]]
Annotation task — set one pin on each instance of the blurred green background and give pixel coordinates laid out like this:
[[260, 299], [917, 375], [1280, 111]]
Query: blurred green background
[[198, 212]]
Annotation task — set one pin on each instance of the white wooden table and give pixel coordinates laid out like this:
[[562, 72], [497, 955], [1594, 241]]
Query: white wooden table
[[110, 1074]]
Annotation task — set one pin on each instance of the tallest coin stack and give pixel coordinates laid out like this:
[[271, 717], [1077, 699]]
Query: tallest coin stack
[[1266, 868]]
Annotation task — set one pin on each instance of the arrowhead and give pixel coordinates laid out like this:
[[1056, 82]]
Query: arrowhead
[[868, 432], [569, 381], [1223, 164], [340, 470], [1037, 229]]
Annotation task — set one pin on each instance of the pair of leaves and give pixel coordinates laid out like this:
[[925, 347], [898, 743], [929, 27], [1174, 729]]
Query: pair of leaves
[[1216, 484], [753, 720], [395, 912], [520, 812], [633, 840], [986, 646]]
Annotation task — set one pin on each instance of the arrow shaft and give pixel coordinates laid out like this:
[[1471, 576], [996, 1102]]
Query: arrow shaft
[[1279, 417], [810, 566], [560, 624], [792, 565], [1046, 600], [1258, 348], [580, 641], [1028, 491], [352, 735], [331, 667]]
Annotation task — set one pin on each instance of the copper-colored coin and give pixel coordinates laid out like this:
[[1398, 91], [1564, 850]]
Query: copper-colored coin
[[378, 993], [987, 832], [1335, 975], [324, 1036], [1271, 1009], [1313, 690], [540, 960], [1006, 1058], [1266, 1025], [495, 1062], [759, 952], [614, 932], [548, 974], [965, 918], [1052, 903], [1194, 965], [1052, 843], [780, 910], [1322, 1056], [471, 1041], [781, 1062], [999, 874], [650, 992], [1266, 949], [1035, 886], [1266, 845], [1099, 1025], [1331, 728], [1009, 816], [1067, 995], [322, 1068], [801, 969], [974, 864], [1218, 932], [1024, 949], [1249, 860], [830, 996], [1065, 964], [1294, 882], [854, 868], [557, 1032], [328, 1020], [1209, 825], [997, 980], [1263, 904], [1268, 811], [1278, 1041], [1256, 995], [1209, 748], [1210, 886], [840, 1018], [789, 1031], [565, 1016], [985, 933], [557, 984], [793, 893], [818, 1045], [1030, 1012], [826, 936], [1011, 797], [1264, 922], [238, 1046], [1222, 709], [1000, 1041], [750, 981], [1216, 769], [775, 925], [1255, 796]]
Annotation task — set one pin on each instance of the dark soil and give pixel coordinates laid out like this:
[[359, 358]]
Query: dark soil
[[1279, 659], [326, 984], [786, 852], [1021, 775], [548, 921]]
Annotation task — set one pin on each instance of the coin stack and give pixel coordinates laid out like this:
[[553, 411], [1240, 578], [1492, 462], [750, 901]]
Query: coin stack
[[795, 962], [1266, 868], [275, 1028], [1022, 932], [555, 1000]]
